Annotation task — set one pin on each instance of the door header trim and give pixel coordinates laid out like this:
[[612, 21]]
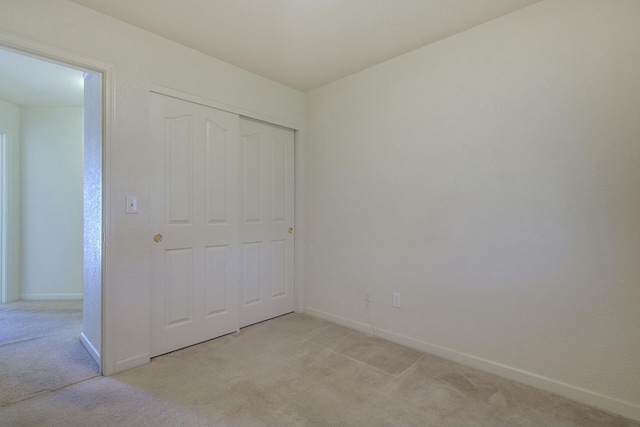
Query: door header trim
[[167, 91]]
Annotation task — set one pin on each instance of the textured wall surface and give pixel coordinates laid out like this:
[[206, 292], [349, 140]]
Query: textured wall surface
[[92, 213], [492, 180]]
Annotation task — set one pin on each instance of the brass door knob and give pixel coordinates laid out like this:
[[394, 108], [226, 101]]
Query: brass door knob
[[157, 238], [290, 230]]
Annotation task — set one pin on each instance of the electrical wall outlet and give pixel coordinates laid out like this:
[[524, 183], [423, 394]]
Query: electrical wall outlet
[[396, 300]]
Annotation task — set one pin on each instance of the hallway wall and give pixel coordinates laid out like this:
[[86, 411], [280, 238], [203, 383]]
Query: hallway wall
[[51, 203], [10, 124]]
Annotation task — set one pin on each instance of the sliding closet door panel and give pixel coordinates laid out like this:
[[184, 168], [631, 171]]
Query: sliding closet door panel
[[267, 212], [195, 223]]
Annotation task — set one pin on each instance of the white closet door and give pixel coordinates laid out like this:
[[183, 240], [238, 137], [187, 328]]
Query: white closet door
[[195, 218], [267, 221]]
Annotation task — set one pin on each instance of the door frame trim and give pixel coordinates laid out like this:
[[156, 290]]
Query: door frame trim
[[3, 214], [173, 93], [28, 47]]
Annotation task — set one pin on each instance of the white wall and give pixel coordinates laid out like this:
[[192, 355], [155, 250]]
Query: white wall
[[51, 203], [139, 59], [10, 124], [491, 179]]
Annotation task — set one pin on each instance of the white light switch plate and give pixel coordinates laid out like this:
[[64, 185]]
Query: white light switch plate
[[132, 205]]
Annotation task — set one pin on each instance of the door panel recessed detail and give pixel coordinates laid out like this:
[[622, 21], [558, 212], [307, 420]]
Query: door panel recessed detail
[[178, 286], [252, 170], [216, 173], [178, 167], [251, 274], [278, 268], [278, 181], [216, 279]]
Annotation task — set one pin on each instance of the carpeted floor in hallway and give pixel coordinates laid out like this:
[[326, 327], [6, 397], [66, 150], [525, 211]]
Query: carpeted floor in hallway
[[297, 370], [40, 349]]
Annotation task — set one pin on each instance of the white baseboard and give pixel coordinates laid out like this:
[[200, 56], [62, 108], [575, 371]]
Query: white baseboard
[[90, 348], [132, 362], [50, 297], [607, 403]]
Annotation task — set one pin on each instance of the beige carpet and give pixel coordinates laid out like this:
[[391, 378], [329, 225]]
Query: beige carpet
[[40, 349], [300, 371]]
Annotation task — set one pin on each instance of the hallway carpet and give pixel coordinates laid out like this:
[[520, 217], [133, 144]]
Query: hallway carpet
[[40, 349], [297, 370]]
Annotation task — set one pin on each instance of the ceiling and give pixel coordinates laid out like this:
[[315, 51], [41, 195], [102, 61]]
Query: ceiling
[[27, 81], [305, 44]]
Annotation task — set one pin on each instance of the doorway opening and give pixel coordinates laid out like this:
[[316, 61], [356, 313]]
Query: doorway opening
[[51, 194]]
